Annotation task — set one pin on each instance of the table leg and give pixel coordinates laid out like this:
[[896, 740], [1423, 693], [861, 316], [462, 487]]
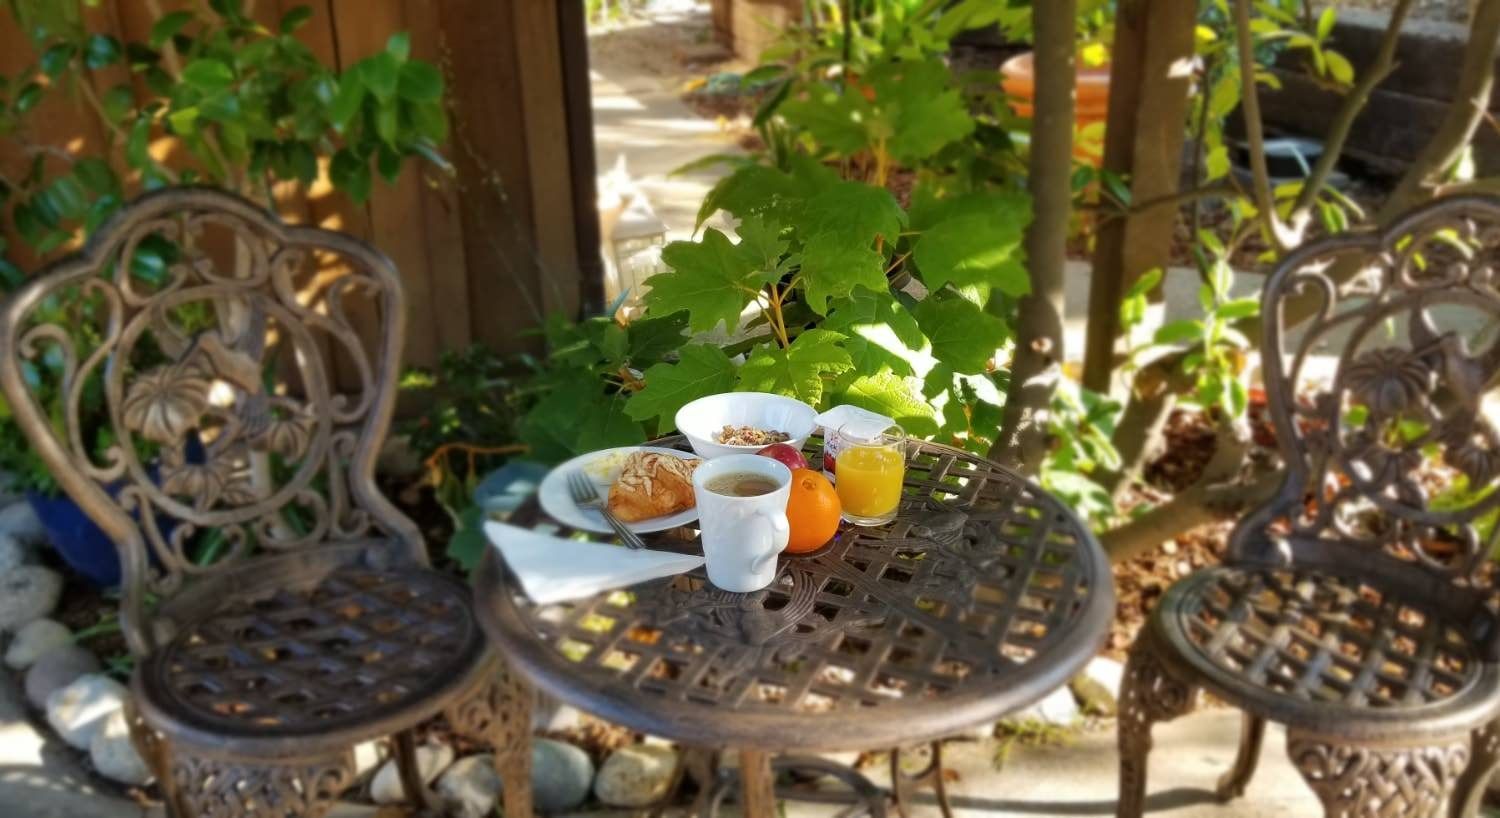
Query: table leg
[[757, 788], [904, 785]]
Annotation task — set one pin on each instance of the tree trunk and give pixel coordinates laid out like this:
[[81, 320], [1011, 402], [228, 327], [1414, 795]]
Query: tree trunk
[[1022, 442]]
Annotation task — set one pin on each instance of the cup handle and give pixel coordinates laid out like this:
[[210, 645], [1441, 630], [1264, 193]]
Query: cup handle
[[779, 531]]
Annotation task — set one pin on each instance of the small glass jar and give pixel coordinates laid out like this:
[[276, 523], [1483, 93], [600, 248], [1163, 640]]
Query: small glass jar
[[871, 473]]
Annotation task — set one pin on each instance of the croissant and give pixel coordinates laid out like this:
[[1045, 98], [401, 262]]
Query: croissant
[[652, 485]]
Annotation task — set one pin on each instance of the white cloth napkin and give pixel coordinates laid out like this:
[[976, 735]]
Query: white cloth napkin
[[552, 569]]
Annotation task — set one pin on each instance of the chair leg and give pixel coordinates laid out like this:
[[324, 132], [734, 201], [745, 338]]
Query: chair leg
[[412, 785], [1252, 736], [1484, 762], [1148, 695], [498, 712], [1367, 781], [212, 788]]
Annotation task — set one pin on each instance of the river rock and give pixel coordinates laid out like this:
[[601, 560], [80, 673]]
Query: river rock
[[636, 776], [1098, 686], [56, 670], [19, 521], [114, 755], [79, 711], [12, 554], [27, 593], [560, 775], [471, 785], [34, 640], [431, 760]]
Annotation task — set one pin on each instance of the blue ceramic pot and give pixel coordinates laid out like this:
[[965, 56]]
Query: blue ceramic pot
[[83, 546]]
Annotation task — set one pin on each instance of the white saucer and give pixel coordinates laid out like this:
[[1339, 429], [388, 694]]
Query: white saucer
[[558, 502]]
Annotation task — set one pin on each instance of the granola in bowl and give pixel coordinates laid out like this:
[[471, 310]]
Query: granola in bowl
[[750, 436]]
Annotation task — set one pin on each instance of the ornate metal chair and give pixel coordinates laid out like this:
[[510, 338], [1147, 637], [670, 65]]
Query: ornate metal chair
[[177, 378], [1359, 606]]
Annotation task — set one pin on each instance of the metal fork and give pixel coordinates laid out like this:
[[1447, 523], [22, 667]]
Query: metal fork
[[587, 497]]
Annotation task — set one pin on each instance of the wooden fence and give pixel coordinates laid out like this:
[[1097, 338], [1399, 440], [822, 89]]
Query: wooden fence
[[483, 254]]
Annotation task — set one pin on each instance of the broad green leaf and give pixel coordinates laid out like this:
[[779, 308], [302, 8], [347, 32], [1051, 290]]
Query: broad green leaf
[[168, 26], [1326, 21], [1339, 67], [380, 75], [710, 278], [893, 396], [855, 209], [835, 120], [978, 244], [295, 19], [96, 175], [468, 542], [834, 263], [208, 75], [399, 46], [923, 106], [702, 370], [118, 101], [350, 174], [864, 310], [1178, 332], [750, 191], [55, 59], [351, 94], [420, 82], [388, 122], [184, 122], [798, 371], [963, 336], [653, 337], [1239, 308], [578, 416], [762, 247]]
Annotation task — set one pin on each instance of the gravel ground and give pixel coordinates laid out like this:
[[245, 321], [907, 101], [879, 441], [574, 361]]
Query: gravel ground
[[1452, 11]]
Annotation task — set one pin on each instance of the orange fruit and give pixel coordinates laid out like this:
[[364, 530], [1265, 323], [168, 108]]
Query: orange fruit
[[812, 510]]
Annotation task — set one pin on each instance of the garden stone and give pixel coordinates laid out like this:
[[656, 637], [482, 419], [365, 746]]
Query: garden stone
[[114, 755], [560, 775], [636, 776], [431, 760], [12, 554], [1059, 709], [367, 756], [552, 716], [55, 671], [20, 521], [35, 640], [27, 593], [472, 785], [1098, 686], [79, 711]]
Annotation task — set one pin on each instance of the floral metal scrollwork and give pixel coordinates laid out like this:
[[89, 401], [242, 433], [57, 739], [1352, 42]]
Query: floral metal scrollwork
[[1356, 781]]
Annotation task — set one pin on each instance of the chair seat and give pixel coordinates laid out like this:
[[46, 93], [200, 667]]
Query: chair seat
[[349, 654], [1301, 646]]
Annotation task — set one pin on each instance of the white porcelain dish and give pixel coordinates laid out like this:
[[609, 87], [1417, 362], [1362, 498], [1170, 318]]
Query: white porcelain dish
[[602, 467], [703, 419]]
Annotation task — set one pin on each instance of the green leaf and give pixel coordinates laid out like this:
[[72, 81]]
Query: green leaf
[[399, 46], [55, 59], [751, 190], [469, 542], [837, 121], [96, 175], [834, 263], [710, 278], [380, 75], [798, 371], [922, 105], [184, 122], [978, 244], [101, 51], [963, 336], [1239, 308], [208, 75], [893, 396], [1326, 21], [350, 174], [651, 338], [30, 95], [388, 162], [1339, 67], [118, 101], [168, 26], [855, 209], [420, 82], [1178, 332], [388, 122], [295, 19], [702, 370], [351, 94]]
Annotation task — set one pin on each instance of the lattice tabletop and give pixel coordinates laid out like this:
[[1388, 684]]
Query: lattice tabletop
[[983, 596]]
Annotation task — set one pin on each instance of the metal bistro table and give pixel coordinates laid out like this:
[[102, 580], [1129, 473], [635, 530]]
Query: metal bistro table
[[982, 597]]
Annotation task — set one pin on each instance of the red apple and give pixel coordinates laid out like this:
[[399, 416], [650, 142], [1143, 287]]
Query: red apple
[[787, 455]]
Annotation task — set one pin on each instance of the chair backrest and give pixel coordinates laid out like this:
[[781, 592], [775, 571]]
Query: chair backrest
[[178, 378], [1386, 402]]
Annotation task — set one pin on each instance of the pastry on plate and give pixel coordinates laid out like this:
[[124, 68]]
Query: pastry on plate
[[652, 485]]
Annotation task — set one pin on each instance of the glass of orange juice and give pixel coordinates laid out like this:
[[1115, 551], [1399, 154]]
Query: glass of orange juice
[[871, 467]]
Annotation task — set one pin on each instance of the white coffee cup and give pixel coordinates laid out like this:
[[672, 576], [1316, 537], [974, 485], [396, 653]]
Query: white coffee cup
[[742, 535]]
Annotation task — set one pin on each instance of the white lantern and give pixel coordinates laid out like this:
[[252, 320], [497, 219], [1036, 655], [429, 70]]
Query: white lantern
[[636, 242]]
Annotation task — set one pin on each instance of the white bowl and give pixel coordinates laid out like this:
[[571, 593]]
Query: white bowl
[[702, 420]]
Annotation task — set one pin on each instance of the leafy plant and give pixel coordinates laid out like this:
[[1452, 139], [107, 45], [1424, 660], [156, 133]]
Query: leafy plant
[[250, 106]]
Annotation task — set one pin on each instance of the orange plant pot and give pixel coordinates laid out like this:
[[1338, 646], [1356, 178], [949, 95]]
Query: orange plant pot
[[1091, 95]]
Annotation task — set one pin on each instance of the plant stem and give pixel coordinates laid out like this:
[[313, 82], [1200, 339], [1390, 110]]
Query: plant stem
[[1255, 129]]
